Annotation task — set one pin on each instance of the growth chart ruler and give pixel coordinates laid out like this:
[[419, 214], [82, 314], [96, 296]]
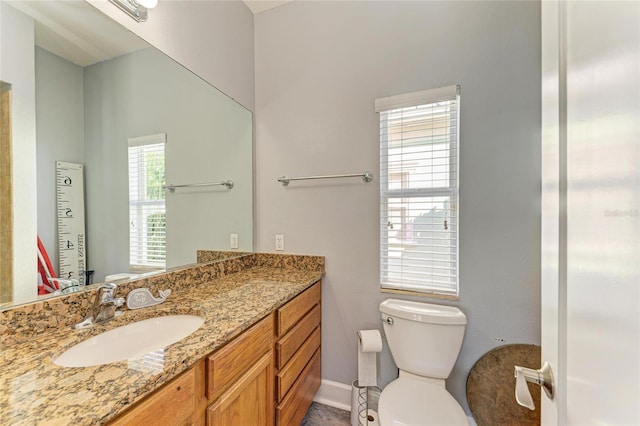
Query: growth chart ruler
[[71, 233]]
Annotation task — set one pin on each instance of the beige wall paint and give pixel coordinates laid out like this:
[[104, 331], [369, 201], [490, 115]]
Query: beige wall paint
[[319, 67]]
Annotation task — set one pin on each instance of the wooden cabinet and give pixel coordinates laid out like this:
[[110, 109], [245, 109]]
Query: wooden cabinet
[[226, 365], [291, 410], [291, 313], [269, 373], [298, 367], [240, 379], [249, 400], [173, 404]]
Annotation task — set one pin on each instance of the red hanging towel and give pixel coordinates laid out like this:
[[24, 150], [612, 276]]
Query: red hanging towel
[[45, 272]]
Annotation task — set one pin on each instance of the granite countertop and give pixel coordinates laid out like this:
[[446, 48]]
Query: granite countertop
[[34, 391]]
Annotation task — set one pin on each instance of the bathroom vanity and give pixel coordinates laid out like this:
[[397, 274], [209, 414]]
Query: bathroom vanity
[[235, 385], [255, 360]]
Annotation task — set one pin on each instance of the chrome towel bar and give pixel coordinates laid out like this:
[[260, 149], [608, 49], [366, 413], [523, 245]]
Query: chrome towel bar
[[366, 176], [172, 188]]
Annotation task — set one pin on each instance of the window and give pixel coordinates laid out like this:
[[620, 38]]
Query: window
[[147, 212], [419, 191]]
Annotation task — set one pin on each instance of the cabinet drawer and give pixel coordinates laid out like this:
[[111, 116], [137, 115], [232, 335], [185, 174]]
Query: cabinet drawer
[[292, 409], [289, 344], [288, 375], [173, 404], [292, 312], [230, 362]]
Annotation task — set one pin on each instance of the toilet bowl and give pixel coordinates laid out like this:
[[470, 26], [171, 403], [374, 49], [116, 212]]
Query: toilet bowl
[[425, 341]]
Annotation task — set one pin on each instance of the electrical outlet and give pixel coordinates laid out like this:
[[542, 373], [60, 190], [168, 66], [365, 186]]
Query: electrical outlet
[[280, 242], [233, 241]]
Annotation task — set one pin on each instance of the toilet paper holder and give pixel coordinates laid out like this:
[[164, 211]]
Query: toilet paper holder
[[542, 377], [369, 344]]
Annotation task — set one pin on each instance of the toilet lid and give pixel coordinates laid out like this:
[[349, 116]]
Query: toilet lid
[[411, 402]]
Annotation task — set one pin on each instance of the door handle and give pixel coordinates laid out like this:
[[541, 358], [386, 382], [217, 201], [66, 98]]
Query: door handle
[[542, 377]]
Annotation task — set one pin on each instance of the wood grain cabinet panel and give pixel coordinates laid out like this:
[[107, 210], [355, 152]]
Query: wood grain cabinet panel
[[289, 344], [173, 404], [294, 310], [288, 375], [226, 365], [292, 409], [249, 401], [298, 343]]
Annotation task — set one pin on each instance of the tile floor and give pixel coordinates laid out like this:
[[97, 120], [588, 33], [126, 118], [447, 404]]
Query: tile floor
[[323, 415]]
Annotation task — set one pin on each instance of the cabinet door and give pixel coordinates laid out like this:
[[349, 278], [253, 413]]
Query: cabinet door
[[228, 364], [174, 404], [249, 401]]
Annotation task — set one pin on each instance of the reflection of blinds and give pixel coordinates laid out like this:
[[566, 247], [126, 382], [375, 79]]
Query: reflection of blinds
[[419, 191], [147, 213]]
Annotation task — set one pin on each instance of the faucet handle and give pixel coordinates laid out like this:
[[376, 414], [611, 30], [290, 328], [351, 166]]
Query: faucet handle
[[104, 305], [105, 292]]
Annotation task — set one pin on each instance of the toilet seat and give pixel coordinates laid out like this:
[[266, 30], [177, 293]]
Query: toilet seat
[[412, 402]]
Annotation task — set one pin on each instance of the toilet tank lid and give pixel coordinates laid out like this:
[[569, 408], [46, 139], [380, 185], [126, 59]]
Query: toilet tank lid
[[423, 312]]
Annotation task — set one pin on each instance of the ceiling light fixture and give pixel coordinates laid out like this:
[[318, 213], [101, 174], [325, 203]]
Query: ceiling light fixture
[[149, 4], [137, 9]]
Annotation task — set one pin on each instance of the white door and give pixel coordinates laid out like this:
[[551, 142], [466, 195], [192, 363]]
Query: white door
[[590, 211]]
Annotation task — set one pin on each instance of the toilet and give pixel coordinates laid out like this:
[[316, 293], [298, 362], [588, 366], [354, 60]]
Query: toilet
[[425, 341]]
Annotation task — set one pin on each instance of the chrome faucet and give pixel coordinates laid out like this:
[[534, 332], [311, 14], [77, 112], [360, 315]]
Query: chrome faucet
[[104, 306]]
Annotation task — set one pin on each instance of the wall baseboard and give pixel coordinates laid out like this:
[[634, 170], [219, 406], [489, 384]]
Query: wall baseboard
[[334, 394]]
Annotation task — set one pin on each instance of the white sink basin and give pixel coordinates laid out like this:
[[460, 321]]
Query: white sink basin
[[130, 341]]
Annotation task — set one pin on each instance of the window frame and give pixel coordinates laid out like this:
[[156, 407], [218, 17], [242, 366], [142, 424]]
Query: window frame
[[138, 255], [427, 287]]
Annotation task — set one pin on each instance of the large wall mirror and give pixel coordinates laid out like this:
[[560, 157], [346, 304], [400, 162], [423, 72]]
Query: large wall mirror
[[100, 122]]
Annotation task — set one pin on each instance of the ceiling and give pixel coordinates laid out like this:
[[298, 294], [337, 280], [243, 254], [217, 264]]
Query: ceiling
[[258, 6], [86, 44]]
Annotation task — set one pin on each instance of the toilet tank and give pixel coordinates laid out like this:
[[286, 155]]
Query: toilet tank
[[424, 339]]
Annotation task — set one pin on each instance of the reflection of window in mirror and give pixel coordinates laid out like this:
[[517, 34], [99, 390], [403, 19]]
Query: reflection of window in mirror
[[6, 217], [147, 210]]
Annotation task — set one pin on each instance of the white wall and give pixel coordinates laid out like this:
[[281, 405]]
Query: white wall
[[214, 39], [209, 139], [59, 135], [319, 67], [18, 70]]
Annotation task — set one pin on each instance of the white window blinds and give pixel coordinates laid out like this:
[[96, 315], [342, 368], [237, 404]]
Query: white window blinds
[[147, 213], [419, 191]]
